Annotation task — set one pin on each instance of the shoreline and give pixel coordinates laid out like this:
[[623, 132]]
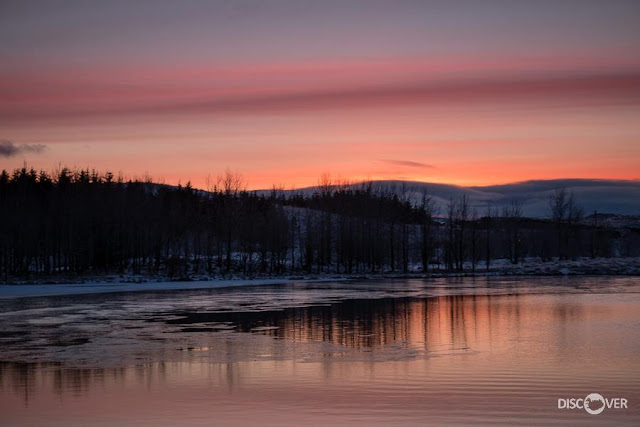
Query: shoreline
[[59, 286]]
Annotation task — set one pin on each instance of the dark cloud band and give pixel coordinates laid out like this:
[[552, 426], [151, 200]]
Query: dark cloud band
[[613, 87], [408, 163], [9, 149]]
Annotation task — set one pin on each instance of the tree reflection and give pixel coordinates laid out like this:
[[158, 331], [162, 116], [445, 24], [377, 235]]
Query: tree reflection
[[425, 325]]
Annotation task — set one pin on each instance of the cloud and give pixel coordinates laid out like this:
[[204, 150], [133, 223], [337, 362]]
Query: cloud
[[9, 149], [408, 163], [612, 87]]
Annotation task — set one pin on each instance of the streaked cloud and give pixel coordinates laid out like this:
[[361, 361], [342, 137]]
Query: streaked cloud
[[284, 91], [566, 89], [408, 163]]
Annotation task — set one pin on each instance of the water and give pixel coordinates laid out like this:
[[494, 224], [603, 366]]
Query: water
[[404, 352]]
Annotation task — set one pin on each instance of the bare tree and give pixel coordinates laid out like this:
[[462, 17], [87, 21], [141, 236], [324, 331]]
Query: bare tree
[[461, 218], [512, 215], [231, 183], [428, 208], [489, 218], [565, 213], [475, 253]]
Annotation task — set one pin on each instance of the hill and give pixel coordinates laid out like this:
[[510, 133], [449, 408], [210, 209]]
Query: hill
[[604, 196]]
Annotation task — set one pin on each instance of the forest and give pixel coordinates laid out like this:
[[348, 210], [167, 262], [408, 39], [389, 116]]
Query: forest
[[82, 222]]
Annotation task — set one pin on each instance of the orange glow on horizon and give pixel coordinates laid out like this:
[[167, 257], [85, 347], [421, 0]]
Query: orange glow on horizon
[[450, 111]]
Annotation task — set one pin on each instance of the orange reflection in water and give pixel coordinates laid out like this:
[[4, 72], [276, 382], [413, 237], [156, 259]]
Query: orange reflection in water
[[446, 360]]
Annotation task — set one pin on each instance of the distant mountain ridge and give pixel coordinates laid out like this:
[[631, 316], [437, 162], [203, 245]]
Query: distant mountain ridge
[[601, 195]]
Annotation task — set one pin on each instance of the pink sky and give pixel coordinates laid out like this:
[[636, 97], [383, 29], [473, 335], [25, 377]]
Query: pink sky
[[286, 92]]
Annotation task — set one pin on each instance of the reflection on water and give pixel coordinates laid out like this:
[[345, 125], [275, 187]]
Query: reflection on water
[[452, 322], [458, 359]]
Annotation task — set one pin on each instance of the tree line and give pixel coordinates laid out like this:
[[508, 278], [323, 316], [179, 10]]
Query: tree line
[[77, 222]]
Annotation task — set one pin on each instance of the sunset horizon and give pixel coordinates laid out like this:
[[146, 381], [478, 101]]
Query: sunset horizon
[[320, 213], [249, 182], [421, 91]]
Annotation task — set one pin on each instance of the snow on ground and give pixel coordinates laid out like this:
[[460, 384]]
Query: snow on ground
[[582, 266], [527, 267]]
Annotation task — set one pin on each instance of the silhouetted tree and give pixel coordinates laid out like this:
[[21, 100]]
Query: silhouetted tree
[[72, 222]]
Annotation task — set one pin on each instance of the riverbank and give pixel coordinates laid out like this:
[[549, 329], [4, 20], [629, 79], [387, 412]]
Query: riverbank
[[60, 285]]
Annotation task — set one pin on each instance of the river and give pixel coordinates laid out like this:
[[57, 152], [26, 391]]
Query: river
[[449, 351]]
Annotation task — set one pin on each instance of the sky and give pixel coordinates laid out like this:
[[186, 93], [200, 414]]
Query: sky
[[283, 91]]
